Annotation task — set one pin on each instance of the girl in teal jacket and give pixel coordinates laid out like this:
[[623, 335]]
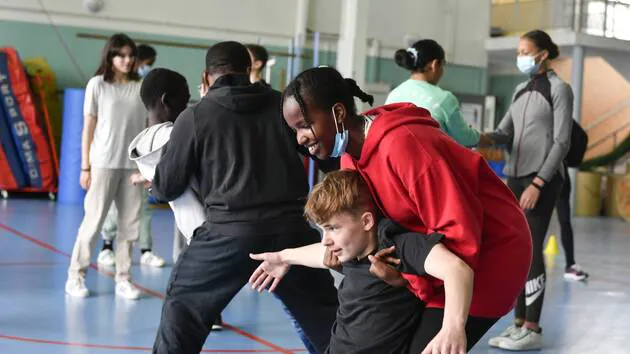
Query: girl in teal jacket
[[426, 61]]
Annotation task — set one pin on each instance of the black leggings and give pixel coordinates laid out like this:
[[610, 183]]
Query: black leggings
[[530, 302], [431, 323], [563, 208]]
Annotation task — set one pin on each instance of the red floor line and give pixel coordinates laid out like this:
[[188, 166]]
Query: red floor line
[[125, 347], [28, 264], [32, 239], [146, 290]]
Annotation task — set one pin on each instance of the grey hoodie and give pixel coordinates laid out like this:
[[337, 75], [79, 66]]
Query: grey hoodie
[[537, 127]]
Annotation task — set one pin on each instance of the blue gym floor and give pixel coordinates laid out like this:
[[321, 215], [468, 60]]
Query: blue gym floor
[[37, 236]]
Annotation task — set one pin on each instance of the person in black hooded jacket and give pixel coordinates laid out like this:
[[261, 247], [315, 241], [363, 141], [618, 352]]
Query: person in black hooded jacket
[[254, 187]]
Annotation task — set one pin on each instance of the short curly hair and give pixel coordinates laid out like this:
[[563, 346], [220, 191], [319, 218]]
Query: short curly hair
[[342, 191]]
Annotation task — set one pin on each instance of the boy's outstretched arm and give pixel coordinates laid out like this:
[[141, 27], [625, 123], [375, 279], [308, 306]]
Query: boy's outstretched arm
[[276, 264]]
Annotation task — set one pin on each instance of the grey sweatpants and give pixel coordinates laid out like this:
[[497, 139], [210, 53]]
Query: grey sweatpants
[[145, 238], [107, 186]]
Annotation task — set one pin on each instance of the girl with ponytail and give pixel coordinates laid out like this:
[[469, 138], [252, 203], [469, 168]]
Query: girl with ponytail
[[537, 127], [425, 182], [426, 61]]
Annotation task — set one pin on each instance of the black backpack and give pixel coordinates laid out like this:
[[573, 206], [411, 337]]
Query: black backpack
[[579, 143]]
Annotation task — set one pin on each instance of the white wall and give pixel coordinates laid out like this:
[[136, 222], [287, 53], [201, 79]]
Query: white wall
[[471, 29], [245, 20], [617, 59], [325, 16], [461, 26]]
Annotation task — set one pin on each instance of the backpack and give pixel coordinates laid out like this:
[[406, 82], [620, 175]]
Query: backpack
[[579, 143]]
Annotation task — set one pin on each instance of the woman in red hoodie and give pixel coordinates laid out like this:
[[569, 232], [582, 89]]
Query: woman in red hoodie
[[426, 182]]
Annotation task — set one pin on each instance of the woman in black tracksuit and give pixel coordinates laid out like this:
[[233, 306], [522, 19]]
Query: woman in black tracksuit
[[537, 129]]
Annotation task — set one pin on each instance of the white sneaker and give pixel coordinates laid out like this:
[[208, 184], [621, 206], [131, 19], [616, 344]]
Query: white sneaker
[[524, 339], [218, 324], [575, 273], [106, 258], [127, 291], [152, 260], [496, 341], [76, 288]]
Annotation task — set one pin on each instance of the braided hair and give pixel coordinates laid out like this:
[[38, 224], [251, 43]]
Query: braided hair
[[324, 86]]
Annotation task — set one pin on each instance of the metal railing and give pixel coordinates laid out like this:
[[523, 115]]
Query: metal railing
[[613, 135], [606, 18], [608, 114], [605, 117]]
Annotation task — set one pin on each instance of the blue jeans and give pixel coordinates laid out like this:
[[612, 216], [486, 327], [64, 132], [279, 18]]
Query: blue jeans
[[307, 342]]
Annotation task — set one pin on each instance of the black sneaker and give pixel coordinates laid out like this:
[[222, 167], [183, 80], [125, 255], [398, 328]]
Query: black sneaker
[[218, 324]]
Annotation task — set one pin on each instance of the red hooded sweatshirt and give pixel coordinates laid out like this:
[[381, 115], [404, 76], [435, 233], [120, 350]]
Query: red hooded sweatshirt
[[427, 182]]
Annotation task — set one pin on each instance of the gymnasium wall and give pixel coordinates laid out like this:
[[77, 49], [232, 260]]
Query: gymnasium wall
[[503, 87], [24, 25]]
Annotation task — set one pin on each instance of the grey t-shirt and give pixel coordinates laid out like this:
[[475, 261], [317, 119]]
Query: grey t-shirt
[[120, 116]]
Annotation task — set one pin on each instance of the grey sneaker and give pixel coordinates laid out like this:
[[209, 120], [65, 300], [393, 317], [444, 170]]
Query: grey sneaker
[[496, 341], [525, 339]]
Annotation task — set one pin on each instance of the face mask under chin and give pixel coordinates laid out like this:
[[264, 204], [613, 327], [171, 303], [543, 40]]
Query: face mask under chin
[[341, 138]]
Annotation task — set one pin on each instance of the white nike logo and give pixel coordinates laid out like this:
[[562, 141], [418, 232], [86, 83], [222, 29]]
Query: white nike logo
[[534, 288], [531, 298]]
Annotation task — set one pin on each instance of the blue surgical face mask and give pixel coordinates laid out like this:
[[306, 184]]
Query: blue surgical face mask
[[527, 64], [144, 70], [341, 138]]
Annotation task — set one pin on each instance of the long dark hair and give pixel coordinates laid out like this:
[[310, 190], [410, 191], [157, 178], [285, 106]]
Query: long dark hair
[[543, 42], [112, 48], [421, 53], [324, 86]]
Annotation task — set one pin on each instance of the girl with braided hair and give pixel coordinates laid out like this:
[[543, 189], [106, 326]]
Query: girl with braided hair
[[425, 182]]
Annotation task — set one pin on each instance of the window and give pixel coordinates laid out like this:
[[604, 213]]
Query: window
[[608, 18], [507, 2]]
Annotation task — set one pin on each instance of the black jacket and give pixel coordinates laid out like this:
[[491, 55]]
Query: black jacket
[[237, 145]]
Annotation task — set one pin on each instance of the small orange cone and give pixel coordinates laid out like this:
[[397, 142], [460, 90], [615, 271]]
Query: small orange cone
[[552, 246]]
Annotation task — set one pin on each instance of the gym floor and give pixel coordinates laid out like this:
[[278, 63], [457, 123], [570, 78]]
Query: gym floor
[[37, 236]]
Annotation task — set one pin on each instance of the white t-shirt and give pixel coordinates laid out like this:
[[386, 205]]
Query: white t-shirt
[[120, 116], [146, 151]]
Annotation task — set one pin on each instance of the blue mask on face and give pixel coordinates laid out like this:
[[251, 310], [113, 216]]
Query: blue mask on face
[[144, 70], [527, 64], [341, 139]]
